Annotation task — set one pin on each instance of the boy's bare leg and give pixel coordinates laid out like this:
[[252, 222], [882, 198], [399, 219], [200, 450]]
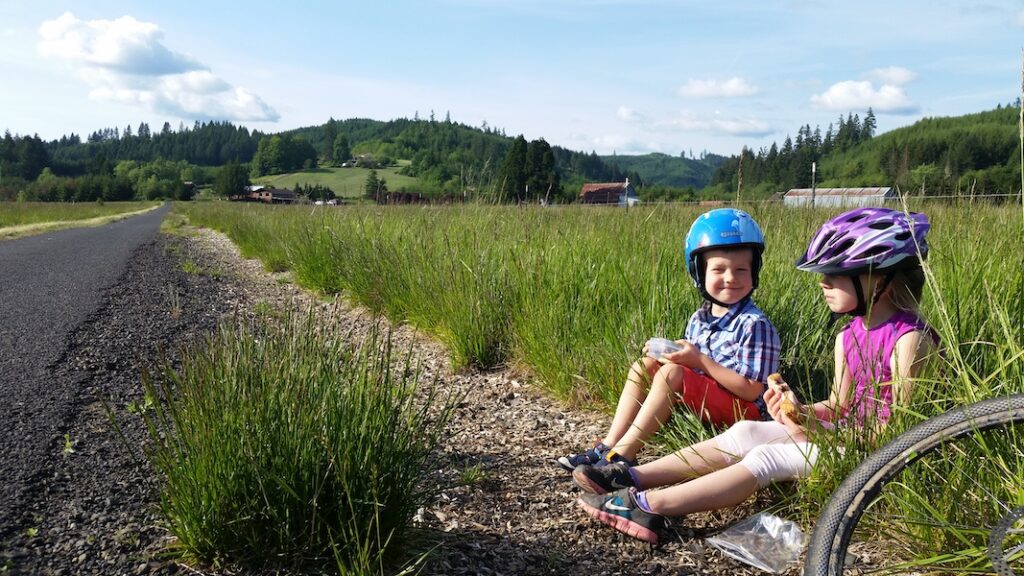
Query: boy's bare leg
[[634, 393], [720, 489], [654, 412]]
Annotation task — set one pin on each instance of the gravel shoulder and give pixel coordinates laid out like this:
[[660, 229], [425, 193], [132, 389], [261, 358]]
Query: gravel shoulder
[[95, 511]]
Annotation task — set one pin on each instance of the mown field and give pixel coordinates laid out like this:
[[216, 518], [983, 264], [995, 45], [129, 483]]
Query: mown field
[[346, 182], [571, 293], [22, 213]]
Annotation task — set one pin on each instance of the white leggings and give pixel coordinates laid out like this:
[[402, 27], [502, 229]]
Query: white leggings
[[766, 449]]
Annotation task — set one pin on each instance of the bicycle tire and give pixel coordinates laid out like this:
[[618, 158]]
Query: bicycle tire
[[826, 554]]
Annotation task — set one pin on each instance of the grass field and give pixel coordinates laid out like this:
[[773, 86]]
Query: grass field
[[346, 182], [22, 213], [571, 293], [18, 219]]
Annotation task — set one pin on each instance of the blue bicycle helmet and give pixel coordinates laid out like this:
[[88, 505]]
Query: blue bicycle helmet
[[722, 228]]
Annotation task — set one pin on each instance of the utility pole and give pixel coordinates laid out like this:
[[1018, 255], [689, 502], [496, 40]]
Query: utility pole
[[739, 175], [814, 170]]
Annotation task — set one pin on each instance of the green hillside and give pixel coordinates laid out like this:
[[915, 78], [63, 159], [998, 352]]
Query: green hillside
[[971, 154], [939, 156], [663, 170], [345, 182]]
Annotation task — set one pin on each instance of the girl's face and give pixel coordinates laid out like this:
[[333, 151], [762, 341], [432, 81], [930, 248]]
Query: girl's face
[[729, 275], [839, 293]]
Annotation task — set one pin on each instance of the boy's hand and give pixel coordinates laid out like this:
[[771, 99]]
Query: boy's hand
[[688, 356]]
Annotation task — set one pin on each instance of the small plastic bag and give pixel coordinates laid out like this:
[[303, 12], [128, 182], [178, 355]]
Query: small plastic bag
[[658, 346], [763, 541]]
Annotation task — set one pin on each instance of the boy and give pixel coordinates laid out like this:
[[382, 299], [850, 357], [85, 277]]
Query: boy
[[729, 348]]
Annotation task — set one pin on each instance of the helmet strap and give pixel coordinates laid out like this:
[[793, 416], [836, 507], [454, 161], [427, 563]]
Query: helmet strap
[[862, 305]]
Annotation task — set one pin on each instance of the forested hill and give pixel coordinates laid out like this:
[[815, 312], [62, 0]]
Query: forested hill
[[976, 153], [445, 156], [972, 154], [673, 171], [449, 156]]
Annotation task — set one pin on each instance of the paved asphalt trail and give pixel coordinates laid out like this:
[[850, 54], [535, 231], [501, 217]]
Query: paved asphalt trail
[[49, 285]]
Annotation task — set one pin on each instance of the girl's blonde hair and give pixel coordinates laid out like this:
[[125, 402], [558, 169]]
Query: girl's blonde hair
[[906, 288]]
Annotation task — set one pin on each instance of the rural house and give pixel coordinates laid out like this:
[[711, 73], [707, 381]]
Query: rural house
[[840, 197], [619, 193], [266, 195]]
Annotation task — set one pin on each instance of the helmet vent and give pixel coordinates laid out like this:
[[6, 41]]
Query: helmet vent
[[843, 246], [827, 238], [902, 236], [879, 225], [872, 252]]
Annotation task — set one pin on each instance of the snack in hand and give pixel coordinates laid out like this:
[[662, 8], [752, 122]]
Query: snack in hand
[[788, 406]]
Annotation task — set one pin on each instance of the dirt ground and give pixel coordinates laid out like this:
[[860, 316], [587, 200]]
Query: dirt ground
[[501, 505]]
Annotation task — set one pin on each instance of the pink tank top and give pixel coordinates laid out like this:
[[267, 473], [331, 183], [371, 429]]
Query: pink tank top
[[868, 356]]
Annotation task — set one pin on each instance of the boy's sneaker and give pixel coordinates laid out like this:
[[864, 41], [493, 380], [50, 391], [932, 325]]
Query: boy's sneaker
[[591, 456], [613, 457], [620, 511], [603, 479]]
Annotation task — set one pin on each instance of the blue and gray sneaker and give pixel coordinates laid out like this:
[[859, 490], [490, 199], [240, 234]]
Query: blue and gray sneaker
[[620, 511], [603, 479], [591, 456], [612, 457]]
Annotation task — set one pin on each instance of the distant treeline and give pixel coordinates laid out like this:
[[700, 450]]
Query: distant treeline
[[972, 154], [976, 153]]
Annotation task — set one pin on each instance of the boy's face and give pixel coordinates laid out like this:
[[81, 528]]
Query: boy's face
[[729, 274]]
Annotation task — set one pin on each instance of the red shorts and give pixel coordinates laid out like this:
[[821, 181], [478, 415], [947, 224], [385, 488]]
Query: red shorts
[[712, 402]]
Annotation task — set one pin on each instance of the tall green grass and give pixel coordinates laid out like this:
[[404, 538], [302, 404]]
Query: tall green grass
[[21, 213], [573, 292], [283, 444]]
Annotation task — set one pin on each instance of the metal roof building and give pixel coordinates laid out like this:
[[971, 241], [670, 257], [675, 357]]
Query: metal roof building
[[839, 196]]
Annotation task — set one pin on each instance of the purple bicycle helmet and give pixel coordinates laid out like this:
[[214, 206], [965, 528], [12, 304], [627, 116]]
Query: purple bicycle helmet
[[867, 239]]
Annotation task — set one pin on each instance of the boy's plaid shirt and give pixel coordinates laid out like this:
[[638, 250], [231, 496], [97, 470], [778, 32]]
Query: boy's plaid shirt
[[744, 340]]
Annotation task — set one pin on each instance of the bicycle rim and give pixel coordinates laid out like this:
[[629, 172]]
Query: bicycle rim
[[945, 497]]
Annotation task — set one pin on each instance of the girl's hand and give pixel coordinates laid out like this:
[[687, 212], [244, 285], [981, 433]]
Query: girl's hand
[[773, 400], [688, 356]]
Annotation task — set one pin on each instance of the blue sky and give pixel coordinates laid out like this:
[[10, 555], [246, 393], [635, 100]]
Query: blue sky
[[622, 76]]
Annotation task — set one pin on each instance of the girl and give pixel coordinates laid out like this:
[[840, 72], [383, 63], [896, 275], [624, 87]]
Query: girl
[[867, 251]]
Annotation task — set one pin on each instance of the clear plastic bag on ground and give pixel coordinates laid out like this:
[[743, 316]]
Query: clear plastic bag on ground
[[764, 541]]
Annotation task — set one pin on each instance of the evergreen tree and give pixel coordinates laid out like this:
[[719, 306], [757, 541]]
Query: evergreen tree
[[232, 179], [512, 178], [868, 128], [375, 187], [341, 151], [330, 135]]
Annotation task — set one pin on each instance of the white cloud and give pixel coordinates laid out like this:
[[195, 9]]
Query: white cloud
[[861, 95], [716, 124], [126, 61], [627, 114], [618, 144], [124, 45], [893, 75], [732, 88]]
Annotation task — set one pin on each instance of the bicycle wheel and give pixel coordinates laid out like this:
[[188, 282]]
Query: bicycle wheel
[[944, 497]]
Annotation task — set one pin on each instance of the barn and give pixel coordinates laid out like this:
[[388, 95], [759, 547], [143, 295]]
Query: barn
[[620, 193], [840, 197]]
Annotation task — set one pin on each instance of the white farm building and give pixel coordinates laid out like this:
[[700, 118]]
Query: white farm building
[[841, 197]]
